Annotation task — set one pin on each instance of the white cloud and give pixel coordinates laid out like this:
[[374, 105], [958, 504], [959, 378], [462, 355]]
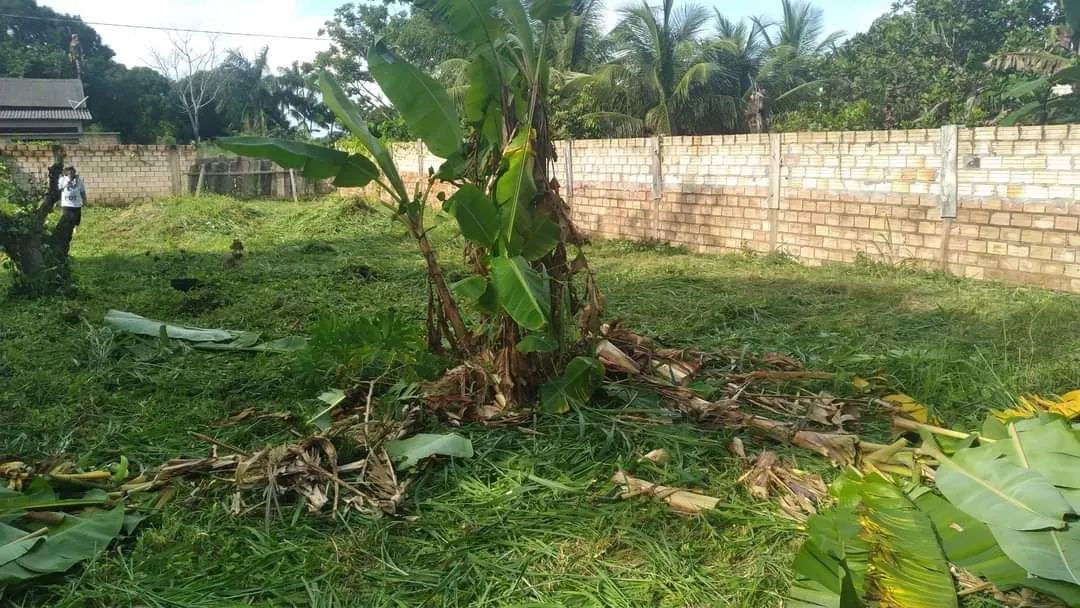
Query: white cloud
[[132, 46]]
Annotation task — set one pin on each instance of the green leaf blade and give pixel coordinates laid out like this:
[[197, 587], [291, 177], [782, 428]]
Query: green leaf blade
[[414, 449], [577, 384], [419, 98], [999, 493], [521, 292], [476, 214]]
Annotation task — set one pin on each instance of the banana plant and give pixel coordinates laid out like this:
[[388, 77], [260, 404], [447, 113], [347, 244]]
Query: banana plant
[[498, 153]]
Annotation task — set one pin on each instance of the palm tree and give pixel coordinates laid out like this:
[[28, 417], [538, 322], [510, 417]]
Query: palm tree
[[661, 81], [251, 100], [1052, 96], [779, 57]]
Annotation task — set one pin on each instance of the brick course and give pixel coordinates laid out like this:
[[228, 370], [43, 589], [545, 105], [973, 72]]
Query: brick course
[[114, 174]]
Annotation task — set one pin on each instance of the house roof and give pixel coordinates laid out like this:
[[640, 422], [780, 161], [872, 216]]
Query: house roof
[[42, 98], [44, 114]]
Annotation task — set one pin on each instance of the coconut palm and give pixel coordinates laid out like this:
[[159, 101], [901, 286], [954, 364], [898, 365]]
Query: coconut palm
[[661, 80], [251, 100]]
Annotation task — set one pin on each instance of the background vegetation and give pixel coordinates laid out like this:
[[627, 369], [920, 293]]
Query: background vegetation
[[666, 67]]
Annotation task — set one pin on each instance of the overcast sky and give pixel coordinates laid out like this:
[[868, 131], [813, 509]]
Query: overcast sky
[[304, 17]]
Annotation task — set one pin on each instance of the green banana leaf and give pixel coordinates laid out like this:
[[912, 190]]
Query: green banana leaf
[[470, 288], [1052, 554], [969, 544], [997, 492], [349, 115], [74, 540], [315, 162], [471, 20], [515, 191], [521, 291], [419, 98], [410, 451], [907, 566], [832, 552], [1048, 446], [476, 215], [574, 387]]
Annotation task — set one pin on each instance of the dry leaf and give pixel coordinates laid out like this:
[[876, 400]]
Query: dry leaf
[[907, 407], [680, 501], [658, 456]]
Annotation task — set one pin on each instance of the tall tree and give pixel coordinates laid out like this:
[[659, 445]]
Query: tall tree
[[250, 99], [34, 43], [661, 81], [922, 65], [191, 68]]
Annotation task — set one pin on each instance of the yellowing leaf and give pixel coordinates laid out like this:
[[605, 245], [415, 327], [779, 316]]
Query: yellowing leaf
[[910, 408], [1029, 406], [860, 383]]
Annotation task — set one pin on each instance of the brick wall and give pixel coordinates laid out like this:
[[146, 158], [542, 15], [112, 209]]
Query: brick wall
[[999, 203], [114, 174]]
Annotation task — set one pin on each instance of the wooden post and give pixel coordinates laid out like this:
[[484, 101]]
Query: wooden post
[[776, 178], [292, 181], [948, 203], [199, 183], [656, 146]]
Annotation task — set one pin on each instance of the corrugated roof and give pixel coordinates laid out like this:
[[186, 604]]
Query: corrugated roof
[[45, 114], [40, 92]]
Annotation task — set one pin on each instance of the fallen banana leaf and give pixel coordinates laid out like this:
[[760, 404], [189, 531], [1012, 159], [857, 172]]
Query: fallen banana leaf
[[1050, 554], [133, 323], [680, 501], [410, 451], [1031, 406], [207, 339], [969, 544], [907, 407], [997, 492], [907, 567]]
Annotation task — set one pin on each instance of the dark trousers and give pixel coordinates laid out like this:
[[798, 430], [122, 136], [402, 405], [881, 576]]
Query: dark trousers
[[70, 217]]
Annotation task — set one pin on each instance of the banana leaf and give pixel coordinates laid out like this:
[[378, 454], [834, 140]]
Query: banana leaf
[[832, 558], [419, 98], [315, 162], [997, 492], [907, 566], [1052, 554], [574, 387], [75, 539], [515, 190], [476, 215], [408, 452], [1048, 446], [349, 115], [969, 544], [521, 291]]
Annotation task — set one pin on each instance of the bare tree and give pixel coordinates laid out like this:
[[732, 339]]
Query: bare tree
[[192, 69]]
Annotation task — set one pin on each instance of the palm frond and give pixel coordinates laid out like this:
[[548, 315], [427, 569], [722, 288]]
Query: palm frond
[[617, 124], [1043, 63]]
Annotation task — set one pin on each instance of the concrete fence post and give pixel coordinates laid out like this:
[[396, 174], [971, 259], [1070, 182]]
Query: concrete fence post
[[776, 178], [568, 167], [948, 202], [656, 162], [419, 160]]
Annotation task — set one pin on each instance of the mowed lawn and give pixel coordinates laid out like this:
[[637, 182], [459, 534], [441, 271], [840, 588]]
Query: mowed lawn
[[532, 519]]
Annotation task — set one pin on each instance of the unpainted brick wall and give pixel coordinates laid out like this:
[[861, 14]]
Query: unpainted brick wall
[[114, 174], [835, 196]]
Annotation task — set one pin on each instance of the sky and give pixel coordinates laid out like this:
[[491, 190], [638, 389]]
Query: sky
[[304, 17]]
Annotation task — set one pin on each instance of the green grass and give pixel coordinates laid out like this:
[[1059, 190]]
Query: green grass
[[493, 530]]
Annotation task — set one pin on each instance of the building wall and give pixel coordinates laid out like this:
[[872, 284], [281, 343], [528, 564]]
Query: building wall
[[114, 174], [835, 196]]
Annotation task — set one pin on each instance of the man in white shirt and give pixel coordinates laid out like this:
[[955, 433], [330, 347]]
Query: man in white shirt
[[72, 198]]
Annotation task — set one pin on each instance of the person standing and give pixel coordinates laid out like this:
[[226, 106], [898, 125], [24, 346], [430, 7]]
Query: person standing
[[72, 198]]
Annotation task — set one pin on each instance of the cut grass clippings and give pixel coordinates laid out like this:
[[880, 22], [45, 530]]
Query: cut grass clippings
[[532, 519]]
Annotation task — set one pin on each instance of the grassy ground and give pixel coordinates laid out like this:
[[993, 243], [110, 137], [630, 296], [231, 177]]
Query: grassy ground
[[493, 530]]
